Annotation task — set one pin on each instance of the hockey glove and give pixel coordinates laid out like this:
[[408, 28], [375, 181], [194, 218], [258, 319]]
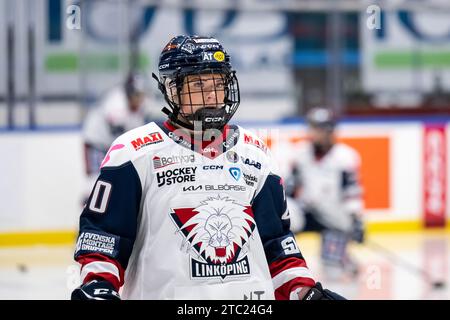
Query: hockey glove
[[318, 293], [96, 290]]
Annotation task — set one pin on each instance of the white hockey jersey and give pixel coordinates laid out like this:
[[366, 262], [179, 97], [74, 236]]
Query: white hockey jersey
[[111, 118], [330, 185], [171, 219]]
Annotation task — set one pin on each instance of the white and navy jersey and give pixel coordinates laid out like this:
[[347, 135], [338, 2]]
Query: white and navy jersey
[[171, 219], [329, 185]]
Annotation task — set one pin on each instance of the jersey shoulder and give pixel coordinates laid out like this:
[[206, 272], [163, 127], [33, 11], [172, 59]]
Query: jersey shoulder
[[346, 156], [134, 144], [256, 151], [304, 146], [250, 140], [94, 124], [114, 101], [303, 151]]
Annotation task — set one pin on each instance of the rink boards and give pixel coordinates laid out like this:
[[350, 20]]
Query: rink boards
[[404, 175]]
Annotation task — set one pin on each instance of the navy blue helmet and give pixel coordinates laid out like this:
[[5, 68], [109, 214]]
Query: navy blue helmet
[[321, 117], [135, 83], [188, 59]]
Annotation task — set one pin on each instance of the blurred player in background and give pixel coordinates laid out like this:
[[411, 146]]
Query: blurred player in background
[[122, 108], [326, 188]]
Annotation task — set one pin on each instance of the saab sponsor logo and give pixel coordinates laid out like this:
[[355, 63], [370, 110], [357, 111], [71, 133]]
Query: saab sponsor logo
[[212, 167], [253, 163], [235, 173], [232, 156], [179, 175], [160, 162], [250, 180], [95, 242], [151, 138], [256, 142], [216, 235]]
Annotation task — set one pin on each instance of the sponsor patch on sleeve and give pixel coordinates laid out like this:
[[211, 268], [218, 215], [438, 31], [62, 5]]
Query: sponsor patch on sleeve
[[97, 242]]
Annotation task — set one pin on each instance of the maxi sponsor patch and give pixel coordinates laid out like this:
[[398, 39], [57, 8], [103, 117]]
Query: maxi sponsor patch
[[248, 139], [151, 138]]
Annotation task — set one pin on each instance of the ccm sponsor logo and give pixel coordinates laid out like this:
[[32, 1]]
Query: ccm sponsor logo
[[214, 119], [212, 167]]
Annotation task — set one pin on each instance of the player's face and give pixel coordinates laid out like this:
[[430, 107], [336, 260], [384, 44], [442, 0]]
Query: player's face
[[321, 136], [135, 101], [203, 90]]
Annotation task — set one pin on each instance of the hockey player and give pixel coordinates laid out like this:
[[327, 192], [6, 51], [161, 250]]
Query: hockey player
[[325, 181], [191, 208], [120, 110]]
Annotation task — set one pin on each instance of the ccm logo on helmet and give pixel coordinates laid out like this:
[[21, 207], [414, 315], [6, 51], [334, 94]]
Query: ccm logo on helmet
[[214, 119]]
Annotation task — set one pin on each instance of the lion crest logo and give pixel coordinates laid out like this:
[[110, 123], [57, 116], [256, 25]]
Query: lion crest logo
[[216, 230]]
